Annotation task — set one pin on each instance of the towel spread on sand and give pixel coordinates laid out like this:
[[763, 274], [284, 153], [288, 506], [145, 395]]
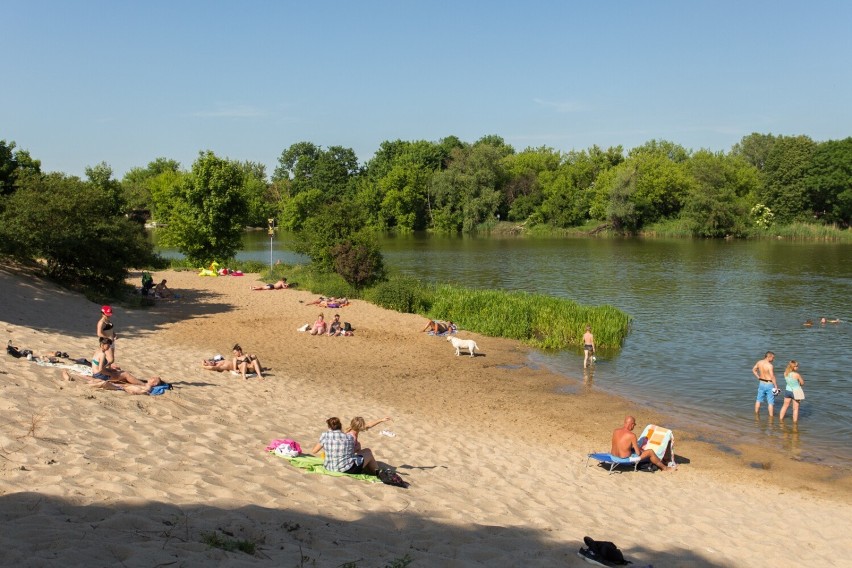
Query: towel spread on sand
[[76, 367], [313, 464]]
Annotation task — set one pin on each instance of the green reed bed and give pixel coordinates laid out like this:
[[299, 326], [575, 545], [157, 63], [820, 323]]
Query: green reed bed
[[542, 321]]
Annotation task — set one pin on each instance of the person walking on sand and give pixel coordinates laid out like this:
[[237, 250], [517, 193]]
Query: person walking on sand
[[625, 444], [767, 386], [588, 346], [793, 381]]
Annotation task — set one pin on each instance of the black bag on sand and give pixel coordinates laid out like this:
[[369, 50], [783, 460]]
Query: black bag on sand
[[13, 351], [602, 552], [390, 477]]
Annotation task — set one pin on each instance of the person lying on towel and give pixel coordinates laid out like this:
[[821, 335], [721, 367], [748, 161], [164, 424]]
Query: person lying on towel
[[625, 445]]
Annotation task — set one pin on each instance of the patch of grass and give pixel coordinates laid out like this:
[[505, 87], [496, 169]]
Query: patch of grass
[[215, 540]]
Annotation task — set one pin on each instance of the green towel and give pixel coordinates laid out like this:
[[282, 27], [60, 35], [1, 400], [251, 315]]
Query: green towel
[[313, 464]]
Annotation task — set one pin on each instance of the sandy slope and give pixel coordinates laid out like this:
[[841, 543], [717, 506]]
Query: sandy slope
[[496, 461]]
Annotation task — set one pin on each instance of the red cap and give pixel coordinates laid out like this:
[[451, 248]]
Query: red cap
[[106, 310]]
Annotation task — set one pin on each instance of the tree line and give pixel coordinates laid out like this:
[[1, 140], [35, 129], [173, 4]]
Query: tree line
[[336, 205]]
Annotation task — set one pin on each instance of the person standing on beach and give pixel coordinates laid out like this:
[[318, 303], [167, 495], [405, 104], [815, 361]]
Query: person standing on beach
[[106, 330], [767, 387], [588, 345]]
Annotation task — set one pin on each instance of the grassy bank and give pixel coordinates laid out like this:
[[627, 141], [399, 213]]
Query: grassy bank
[[541, 321]]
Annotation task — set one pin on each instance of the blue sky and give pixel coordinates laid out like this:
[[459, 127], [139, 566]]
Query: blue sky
[[126, 82]]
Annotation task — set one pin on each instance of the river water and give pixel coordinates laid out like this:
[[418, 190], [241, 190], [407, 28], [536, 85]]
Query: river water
[[703, 313]]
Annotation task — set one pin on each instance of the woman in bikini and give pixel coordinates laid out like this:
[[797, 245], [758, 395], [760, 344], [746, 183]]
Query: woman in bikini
[[106, 330], [245, 361], [104, 377]]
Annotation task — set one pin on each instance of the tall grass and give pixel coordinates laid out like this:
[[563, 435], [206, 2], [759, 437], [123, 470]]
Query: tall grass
[[806, 232], [543, 321]]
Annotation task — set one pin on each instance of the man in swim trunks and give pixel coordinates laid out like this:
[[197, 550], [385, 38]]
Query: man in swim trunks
[[588, 345], [625, 445], [767, 387]]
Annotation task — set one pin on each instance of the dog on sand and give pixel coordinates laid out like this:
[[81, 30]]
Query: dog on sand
[[468, 344]]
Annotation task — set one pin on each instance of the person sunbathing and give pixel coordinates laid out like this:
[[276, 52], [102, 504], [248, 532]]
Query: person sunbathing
[[218, 364], [244, 361], [329, 302], [280, 285], [144, 388], [438, 327]]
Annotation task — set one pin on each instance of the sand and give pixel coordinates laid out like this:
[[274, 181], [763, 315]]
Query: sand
[[496, 460]]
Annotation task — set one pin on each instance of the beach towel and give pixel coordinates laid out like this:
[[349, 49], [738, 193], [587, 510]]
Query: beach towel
[[659, 439], [75, 367], [160, 389], [313, 464]]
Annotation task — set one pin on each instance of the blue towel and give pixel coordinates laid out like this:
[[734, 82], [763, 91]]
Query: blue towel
[[160, 389]]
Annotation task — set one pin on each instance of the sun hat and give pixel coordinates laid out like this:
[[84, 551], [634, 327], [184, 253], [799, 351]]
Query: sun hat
[[106, 310]]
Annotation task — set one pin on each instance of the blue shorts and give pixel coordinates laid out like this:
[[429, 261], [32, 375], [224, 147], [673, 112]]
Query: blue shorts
[[764, 390], [789, 394], [101, 376]]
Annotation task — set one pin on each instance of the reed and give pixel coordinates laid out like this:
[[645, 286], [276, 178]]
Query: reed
[[543, 321]]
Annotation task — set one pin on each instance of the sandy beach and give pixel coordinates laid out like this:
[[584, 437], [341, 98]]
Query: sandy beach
[[496, 460]]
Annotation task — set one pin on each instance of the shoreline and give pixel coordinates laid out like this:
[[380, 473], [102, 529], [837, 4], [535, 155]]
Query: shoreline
[[496, 460]]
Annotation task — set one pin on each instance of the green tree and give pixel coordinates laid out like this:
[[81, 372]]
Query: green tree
[[307, 166], [829, 181], [208, 210], [13, 163], [568, 191], [522, 192], [755, 149], [258, 195], [716, 205], [100, 176], [784, 188], [138, 183], [69, 225], [645, 188], [469, 191]]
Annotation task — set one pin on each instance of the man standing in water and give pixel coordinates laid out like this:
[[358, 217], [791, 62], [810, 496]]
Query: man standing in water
[[588, 346], [767, 386]]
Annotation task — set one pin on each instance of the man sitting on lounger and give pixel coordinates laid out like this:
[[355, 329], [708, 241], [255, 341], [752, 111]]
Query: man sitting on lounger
[[625, 445]]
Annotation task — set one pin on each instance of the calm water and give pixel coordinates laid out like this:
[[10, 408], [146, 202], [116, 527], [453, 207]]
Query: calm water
[[703, 313]]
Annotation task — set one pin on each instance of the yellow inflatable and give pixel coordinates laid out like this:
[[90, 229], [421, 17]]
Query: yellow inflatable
[[213, 270]]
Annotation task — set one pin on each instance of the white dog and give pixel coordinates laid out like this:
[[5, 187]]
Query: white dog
[[468, 344]]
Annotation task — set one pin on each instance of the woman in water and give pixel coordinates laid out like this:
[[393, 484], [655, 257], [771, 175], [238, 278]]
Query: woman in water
[[794, 381]]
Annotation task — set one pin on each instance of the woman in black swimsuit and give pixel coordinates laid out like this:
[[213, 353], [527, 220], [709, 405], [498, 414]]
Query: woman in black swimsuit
[[106, 330], [244, 362]]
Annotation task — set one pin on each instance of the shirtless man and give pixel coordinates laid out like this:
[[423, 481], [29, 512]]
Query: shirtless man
[[588, 345], [625, 444], [767, 385]]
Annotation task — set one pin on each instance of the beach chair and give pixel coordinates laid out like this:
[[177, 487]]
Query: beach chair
[[653, 437]]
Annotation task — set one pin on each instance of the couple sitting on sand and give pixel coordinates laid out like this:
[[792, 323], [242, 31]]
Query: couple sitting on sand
[[241, 362], [336, 328], [343, 451]]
